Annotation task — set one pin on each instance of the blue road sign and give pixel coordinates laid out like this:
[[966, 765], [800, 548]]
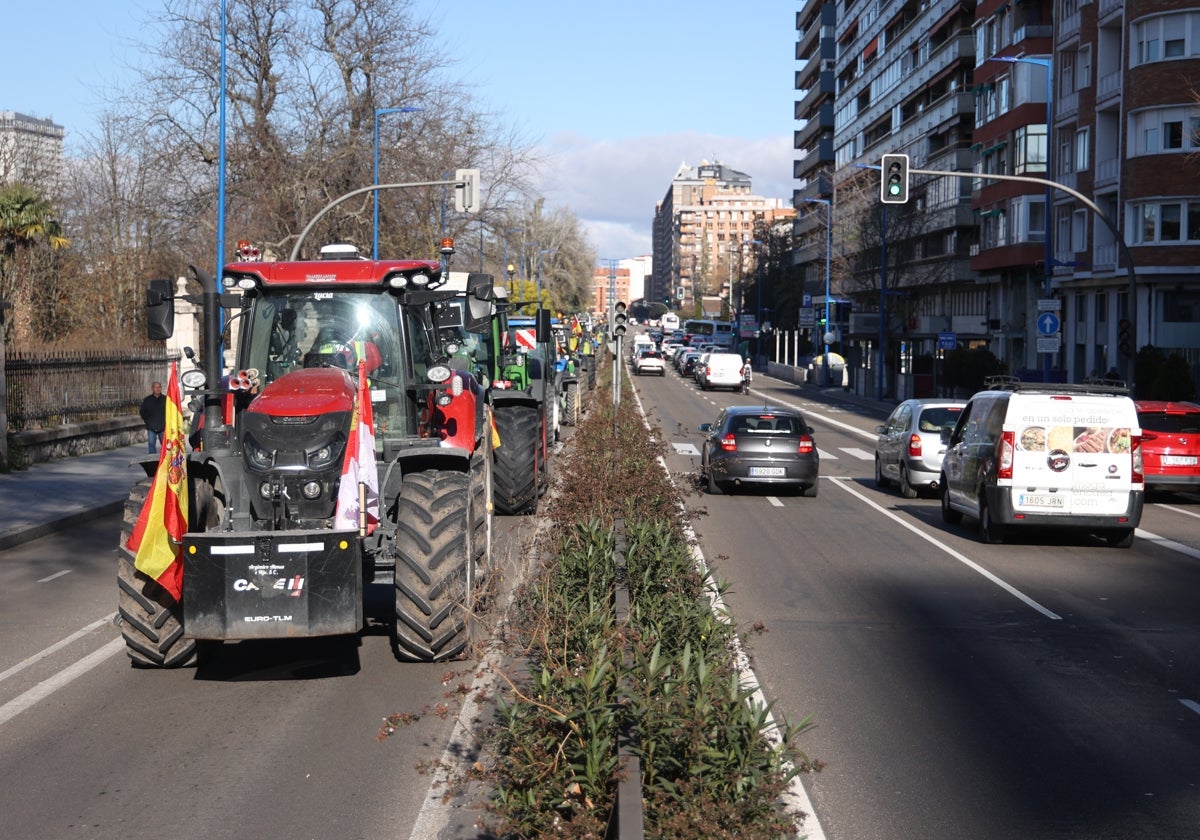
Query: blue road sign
[[1047, 323], [947, 341]]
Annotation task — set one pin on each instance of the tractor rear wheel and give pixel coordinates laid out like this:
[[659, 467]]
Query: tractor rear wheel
[[572, 405], [515, 462], [151, 620], [434, 568]]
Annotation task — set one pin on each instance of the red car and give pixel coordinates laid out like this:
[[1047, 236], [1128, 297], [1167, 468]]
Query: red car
[[1170, 444]]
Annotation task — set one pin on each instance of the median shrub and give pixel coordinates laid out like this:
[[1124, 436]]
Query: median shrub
[[709, 768]]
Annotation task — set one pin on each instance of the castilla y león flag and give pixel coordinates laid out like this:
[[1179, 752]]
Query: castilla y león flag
[[157, 539], [358, 493]]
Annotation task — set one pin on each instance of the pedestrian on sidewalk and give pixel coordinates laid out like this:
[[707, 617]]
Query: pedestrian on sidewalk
[[154, 414]]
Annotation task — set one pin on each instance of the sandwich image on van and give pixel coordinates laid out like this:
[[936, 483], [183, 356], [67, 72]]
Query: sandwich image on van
[[1046, 454]]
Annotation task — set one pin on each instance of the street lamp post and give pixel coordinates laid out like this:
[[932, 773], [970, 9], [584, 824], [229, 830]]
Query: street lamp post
[[758, 321], [1049, 255], [407, 109], [828, 265]]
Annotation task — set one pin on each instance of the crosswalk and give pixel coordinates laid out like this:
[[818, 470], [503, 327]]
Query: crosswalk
[[825, 454]]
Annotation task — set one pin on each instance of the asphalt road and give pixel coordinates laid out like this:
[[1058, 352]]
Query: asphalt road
[[1046, 688], [270, 740]]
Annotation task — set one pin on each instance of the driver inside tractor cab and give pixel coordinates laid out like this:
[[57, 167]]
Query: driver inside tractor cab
[[330, 350]]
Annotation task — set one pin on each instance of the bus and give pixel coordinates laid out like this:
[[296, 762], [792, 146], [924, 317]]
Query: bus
[[669, 322], [704, 331]]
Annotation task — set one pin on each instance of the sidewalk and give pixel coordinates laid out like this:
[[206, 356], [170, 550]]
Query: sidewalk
[[64, 492]]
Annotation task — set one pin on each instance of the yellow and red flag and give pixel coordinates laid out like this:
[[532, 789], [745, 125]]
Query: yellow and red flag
[[157, 538], [358, 493]]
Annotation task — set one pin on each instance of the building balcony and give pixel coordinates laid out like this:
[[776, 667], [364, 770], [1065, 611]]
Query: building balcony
[[1032, 33], [1066, 105], [1068, 27], [1108, 88], [818, 156], [1107, 171], [823, 89], [1109, 7], [819, 123]]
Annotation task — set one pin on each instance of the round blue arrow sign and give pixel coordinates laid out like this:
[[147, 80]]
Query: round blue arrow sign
[[1047, 323]]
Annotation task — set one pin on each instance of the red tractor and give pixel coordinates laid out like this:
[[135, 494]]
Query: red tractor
[[264, 555]]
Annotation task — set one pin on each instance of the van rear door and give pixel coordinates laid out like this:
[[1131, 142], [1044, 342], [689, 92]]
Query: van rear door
[[1072, 454]]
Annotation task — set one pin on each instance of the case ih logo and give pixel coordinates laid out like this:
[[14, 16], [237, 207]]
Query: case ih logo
[[294, 586]]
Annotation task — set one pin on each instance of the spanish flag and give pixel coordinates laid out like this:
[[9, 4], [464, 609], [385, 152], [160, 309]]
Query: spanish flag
[[157, 539], [358, 492]]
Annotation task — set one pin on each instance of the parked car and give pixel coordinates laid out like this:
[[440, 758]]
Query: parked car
[[649, 362], [909, 448], [1170, 444], [767, 446], [1067, 456], [721, 370]]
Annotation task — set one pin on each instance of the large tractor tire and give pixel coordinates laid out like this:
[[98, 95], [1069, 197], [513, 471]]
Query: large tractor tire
[[515, 464], [151, 620], [434, 569], [572, 414]]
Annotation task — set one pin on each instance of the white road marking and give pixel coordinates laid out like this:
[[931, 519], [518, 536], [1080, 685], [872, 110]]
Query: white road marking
[[1184, 511], [1171, 544], [685, 448], [825, 455], [55, 575], [67, 675], [861, 454], [966, 561], [42, 654], [774, 501], [1191, 704]]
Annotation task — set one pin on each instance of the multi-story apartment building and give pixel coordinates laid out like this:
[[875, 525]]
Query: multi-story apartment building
[[610, 283], [1093, 95], [31, 150], [1126, 134], [700, 228], [887, 76]]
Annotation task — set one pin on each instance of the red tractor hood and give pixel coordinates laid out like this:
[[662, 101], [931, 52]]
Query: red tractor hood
[[305, 393]]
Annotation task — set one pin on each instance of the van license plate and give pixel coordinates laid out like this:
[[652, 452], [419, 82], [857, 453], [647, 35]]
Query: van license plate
[[1041, 500], [766, 472], [1179, 460]]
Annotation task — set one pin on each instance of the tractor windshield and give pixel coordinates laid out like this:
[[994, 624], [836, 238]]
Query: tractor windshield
[[301, 329]]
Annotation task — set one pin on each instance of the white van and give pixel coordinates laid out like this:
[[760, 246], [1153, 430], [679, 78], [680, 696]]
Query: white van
[[1067, 456]]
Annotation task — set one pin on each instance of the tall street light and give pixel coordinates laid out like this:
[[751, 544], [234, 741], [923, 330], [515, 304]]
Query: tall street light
[[758, 322], [828, 251], [407, 109], [1049, 258]]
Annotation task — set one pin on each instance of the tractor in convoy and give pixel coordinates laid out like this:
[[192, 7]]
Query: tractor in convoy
[[265, 555]]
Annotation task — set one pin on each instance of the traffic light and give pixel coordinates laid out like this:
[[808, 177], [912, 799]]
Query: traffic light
[[620, 319], [1125, 337], [893, 186], [467, 197]]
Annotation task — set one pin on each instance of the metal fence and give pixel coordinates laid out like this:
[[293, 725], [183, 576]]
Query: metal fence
[[50, 389]]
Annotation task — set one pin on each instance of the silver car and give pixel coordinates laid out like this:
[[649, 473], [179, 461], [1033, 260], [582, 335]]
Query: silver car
[[909, 449]]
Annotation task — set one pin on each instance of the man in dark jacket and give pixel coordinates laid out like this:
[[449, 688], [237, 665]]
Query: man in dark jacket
[[154, 415]]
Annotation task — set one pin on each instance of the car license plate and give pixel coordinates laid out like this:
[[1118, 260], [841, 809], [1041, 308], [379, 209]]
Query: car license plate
[[1179, 460], [766, 472], [1040, 500]]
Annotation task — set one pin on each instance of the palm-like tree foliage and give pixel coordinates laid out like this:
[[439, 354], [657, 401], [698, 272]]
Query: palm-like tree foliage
[[26, 217]]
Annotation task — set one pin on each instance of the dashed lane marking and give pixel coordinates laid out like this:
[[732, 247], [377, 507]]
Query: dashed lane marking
[[685, 448]]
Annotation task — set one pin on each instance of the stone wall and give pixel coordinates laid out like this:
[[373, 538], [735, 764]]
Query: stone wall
[[32, 447]]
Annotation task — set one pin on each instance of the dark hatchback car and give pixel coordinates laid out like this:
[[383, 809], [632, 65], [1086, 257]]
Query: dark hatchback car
[[1170, 444], [759, 446]]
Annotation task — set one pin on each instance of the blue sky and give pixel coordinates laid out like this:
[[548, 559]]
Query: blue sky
[[616, 94]]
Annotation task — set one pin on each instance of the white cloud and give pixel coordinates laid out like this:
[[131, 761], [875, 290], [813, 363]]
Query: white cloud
[[614, 185]]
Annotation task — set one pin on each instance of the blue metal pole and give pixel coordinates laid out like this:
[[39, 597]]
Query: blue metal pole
[[406, 109]]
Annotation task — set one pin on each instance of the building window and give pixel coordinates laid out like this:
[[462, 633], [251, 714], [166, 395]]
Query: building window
[[1166, 37], [1029, 154], [1081, 150], [1079, 231], [1165, 130], [1181, 306], [1166, 222]]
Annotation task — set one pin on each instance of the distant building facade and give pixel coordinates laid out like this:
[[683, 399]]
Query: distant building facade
[[1093, 95], [31, 151], [701, 227]]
